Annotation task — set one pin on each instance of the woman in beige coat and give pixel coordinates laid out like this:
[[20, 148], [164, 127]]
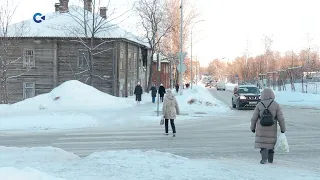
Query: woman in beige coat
[[266, 136], [170, 109]]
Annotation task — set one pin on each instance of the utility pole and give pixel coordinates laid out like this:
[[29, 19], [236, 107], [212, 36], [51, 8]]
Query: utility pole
[[292, 59], [158, 69], [191, 60], [181, 47]]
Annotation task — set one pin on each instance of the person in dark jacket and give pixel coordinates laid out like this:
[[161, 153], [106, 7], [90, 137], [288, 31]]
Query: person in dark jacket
[[177, 88], [153, 93], [138, 93], [162, 91]]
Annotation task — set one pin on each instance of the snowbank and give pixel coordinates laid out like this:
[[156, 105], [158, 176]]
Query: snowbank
[[11, 173], [70, 105], [198, 102], [72, 95], [137, 165]]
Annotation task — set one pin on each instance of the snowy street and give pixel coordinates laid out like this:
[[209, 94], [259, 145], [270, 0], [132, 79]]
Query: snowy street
[[223, 137]]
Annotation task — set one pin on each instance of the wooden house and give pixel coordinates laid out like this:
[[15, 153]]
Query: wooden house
[[40, 56]]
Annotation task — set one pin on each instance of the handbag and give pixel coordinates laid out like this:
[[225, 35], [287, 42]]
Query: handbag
[[162, 121]]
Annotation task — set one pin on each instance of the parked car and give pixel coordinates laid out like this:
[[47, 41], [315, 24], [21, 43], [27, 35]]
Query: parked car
[[245, 96], [221, 85]]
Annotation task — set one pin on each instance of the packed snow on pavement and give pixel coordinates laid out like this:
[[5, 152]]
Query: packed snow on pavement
[[47, 163], [293, 98], [75, 105]]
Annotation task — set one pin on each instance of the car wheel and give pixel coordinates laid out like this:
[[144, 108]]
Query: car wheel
[[224, 89], [233, 105], [238, 105]]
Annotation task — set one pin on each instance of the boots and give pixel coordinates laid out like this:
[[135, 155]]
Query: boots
[[264, 155], [270, 155]]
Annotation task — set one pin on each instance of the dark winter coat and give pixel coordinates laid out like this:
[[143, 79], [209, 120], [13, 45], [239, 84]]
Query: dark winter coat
[[162, 91], [153, 91], [266, 136], [138, 90]]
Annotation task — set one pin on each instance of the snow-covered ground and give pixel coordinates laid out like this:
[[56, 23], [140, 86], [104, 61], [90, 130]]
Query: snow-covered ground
[[294, 98], [47, 163], [198, 102], [76, 105]]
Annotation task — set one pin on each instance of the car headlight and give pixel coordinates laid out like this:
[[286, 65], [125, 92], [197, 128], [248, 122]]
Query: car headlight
[[243, 97], [259, 97]]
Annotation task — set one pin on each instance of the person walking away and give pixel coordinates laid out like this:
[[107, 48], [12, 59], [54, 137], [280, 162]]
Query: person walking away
[[177, 88], [162, 91], [138, 93], [153, 93], [170, 109], [266, 133]]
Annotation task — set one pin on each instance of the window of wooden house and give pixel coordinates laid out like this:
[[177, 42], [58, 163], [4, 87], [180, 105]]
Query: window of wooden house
[[29, 90], [28, 58], [135, 61], [121, 60], [83, 57], [130, 61]]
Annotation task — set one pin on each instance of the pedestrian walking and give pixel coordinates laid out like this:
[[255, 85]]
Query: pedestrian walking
[[162, 91], [266, 133], [177, 88], [153, 93], [170, 109], [138, 93]]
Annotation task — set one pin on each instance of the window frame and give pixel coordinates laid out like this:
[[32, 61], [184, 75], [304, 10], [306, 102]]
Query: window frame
[[80, 57], [27, 58], [25, 88]]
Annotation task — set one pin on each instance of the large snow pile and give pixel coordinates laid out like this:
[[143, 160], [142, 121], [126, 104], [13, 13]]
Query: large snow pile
[[70, 105], [73, 95], [199, 102], [24, 164]]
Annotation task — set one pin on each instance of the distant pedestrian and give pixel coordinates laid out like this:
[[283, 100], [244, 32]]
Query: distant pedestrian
[[138, 92], [170, 109], [177, 88], [162, 91], [266, 136], [153, 93]]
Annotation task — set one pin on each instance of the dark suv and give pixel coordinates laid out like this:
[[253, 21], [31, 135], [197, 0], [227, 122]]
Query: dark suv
[[245, 96]]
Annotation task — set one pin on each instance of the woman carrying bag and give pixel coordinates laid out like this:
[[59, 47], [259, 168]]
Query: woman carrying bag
[[170, 109], [264, 122]]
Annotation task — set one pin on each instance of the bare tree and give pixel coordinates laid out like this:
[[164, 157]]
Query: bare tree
[[155, 23], [90, 31], [9, 35], [171, 42]]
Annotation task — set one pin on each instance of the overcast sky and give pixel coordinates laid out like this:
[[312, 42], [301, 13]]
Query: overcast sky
[[229, 24]]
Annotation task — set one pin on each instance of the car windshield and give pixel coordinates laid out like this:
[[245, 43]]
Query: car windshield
[[249, 90]]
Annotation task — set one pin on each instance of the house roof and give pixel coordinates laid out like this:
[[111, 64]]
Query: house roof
[[69, 25]]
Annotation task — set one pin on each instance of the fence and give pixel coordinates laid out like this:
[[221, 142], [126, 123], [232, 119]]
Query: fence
[[293, 79]]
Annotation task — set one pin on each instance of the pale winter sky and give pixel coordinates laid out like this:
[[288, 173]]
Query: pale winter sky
[[229, 24]]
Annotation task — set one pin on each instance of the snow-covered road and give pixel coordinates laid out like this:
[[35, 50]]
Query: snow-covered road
[[217, 137]]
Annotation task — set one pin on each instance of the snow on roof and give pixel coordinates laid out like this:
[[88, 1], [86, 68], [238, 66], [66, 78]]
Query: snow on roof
[[69, 25]]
